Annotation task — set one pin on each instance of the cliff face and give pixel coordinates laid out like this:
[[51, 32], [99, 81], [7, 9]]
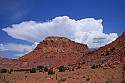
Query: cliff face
[[109, 55], [55, 51], [61, 45]]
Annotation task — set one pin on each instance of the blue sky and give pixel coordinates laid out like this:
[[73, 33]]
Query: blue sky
[[47, 17]]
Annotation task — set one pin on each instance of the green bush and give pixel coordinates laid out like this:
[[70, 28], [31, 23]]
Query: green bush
[[11, 70], [45, 69], [63, 79], [70, 65], [87, 79], [33, 70], [62, 69], [25, 69], [94, 66], [40, 67], [78, 67], [3, 70], [18, 70], [50, 72]]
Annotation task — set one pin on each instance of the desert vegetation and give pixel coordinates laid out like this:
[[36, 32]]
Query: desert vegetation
[[3, 70], [123, 67], [62, 69], [33, 70], [94, 66], [51, 72]]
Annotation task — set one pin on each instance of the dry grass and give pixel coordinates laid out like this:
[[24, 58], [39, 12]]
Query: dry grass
[[78, 76]]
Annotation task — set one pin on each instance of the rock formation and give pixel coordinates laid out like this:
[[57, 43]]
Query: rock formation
[[55, 51], [108, 56]]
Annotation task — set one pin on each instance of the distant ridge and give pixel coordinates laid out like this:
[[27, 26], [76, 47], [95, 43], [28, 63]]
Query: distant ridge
[[109, 55]]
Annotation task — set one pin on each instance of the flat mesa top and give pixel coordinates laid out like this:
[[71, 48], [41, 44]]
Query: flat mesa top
[[55, 38]]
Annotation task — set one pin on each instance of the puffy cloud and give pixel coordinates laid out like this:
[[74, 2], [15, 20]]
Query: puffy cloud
[[19, 55], [18, 47], [88, 31], [22, 49], [2, 48]]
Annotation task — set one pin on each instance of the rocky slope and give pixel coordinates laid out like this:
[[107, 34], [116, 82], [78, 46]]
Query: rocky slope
[[108, 56], [5, 62], [55, 51]]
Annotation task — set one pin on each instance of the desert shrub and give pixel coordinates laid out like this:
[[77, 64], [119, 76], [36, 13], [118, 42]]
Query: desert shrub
[[94, 66], [83, 77], [10, 71], [70, 65], [56, 77], [5, 81], [108, 81], [122, 81], [112, 48], [78, 67], [45, 69], [62, 69], [40, 67], [87, 79], [18, 70], [123, 67], [26, 71], [107, 53], [33, 70], [50, 72], [63, 79], [59, 81], [3, 70]]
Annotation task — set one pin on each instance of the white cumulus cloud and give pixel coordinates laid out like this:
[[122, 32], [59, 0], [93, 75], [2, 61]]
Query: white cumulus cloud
[[88, 31], [2, 48], [19, 55], [18, 47], [22, 49]]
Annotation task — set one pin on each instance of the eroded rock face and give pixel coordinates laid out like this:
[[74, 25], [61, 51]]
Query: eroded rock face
[[5, 62], [61, 45], [55, 51], [109, 55]]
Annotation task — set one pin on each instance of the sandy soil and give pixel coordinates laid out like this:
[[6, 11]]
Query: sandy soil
[[78, 76]]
